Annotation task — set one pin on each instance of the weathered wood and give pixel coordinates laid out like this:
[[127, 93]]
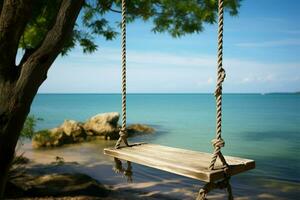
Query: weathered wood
[[183, 162]]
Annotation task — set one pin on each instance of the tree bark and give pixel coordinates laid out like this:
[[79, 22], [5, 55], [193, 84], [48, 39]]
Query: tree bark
[[19, 84]]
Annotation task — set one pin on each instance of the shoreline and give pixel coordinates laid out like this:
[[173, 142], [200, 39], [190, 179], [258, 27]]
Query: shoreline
[[87, 158], [188, 122]]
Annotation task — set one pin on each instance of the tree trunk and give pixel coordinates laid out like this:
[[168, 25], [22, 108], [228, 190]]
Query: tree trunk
[[19, 84], [12, 116]]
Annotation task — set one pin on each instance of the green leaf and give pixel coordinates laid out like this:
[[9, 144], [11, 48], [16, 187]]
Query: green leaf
[[176, 17]]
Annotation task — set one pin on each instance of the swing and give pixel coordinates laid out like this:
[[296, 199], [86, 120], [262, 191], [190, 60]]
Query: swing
[[197, 165]]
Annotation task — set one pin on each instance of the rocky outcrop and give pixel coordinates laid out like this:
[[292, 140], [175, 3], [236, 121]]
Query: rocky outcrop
[[72, 128], [103, 126], [135, 129], [67, 133], [51, 138]]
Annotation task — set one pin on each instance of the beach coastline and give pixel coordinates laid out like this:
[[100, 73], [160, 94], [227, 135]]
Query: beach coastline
[[80, 159], [260, 127]]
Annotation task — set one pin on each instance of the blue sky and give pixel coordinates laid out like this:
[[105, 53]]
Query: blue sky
[[261, 54]]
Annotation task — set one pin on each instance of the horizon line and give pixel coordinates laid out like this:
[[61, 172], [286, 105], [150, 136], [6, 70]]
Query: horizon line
[[134, 93]]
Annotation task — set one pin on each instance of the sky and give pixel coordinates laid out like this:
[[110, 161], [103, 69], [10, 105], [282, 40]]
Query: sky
[[261, 55]]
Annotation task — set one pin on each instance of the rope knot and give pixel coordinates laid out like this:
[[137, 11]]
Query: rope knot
[[202, 194], [218, 91], [123, 137], [222, 74], [218, 143], [123, 133], [205, 190]]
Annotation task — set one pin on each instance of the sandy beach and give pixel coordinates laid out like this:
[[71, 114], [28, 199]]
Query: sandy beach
[[86, 158]]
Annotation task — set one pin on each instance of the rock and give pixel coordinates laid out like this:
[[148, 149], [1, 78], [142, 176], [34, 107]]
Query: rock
[[72, 128], [41, 139], [60, 185], [51, 138], [101, 126], [69, 132], [134, 129], [105, 124]]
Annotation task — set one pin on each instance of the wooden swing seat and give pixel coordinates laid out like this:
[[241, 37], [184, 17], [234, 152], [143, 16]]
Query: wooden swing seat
[[183, 162]]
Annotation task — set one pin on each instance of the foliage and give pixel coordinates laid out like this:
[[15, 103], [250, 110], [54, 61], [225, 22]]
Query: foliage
[[176, 17], [28, 130], [43, 136], [17, 168]]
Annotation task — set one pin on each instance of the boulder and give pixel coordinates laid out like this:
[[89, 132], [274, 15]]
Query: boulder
[[101, 126], [51, 138], [72, 128], [105, 124], [40, 139], [135, 129], [141, 128]]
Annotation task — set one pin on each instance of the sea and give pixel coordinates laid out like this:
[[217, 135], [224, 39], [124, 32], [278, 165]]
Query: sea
[[262, 127]]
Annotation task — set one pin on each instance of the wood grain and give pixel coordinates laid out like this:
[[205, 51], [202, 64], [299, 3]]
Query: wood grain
[[183, 162]]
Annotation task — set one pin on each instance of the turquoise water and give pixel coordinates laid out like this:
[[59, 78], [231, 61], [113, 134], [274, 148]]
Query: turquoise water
[[265, 128]]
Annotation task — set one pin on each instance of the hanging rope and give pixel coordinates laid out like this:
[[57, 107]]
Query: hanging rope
[[127, 172], [212, 186], [123, 132], [218, 142]]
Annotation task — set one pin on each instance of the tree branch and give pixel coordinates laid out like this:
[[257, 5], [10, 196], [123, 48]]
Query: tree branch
[[34, 69], [116, 11], [14, 17], [109, 7], [27, 54]]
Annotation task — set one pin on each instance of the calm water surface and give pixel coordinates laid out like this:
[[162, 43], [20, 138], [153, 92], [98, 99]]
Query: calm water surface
[[265, 128]]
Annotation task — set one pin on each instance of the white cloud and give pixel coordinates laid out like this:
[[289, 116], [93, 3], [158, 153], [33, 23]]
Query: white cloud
[[110, 56], [166, 72], [274, 43], [165, 59], [265, 78]]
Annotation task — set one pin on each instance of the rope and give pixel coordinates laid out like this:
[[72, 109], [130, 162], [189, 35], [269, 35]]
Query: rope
[[127, 172], [123, 132], [218, 142], [202, 195]]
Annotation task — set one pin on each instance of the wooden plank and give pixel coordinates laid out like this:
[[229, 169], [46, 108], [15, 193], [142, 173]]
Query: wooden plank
[[187, 154], [183, 162], [164, 156], [194, 159]]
